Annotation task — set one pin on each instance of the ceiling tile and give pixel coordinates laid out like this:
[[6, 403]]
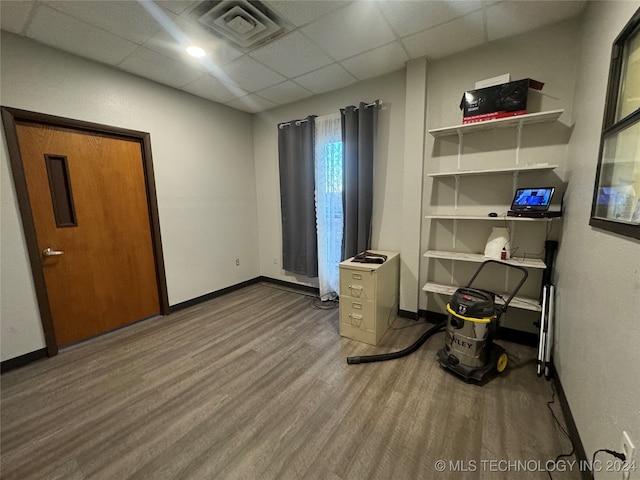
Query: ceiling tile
[[213, 89], [179, 34], [66, 33], [251, 75], [349, 31], [377, 62], [177, 6], [510, 18], [408, 17], [301, 12], [452, 37], [149, 64], [292, 55], [127, 19], [251, 104], [326, 79], [14, 15], [285, 92]]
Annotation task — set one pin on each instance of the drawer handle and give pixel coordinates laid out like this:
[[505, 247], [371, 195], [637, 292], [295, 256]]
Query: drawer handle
[[356, 290], [355, 316]]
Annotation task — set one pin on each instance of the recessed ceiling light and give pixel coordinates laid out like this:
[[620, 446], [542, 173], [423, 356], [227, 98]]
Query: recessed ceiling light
[[195, 51]]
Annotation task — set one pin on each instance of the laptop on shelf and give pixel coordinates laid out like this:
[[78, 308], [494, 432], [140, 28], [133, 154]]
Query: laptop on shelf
[[533, 203]]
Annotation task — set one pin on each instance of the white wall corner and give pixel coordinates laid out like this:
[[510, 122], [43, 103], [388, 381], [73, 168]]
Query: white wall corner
[[414, 143]]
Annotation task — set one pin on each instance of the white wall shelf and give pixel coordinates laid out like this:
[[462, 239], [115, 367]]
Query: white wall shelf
[[517, 121], [479, 258], [524, 303], [526, 168], [500, 218]]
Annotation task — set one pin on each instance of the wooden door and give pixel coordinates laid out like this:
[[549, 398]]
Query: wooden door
[[90, 211]]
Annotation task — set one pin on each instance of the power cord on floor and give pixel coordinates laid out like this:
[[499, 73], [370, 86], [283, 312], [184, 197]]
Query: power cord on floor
[[618, 455], [315, 301], [562, 429], [319, 304]]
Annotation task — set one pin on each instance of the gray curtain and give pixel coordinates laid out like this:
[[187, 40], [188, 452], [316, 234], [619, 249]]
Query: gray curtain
[[359, 126], [299, 239]]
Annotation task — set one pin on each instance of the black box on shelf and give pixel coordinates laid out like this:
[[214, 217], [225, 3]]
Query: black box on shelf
[[498, 101]]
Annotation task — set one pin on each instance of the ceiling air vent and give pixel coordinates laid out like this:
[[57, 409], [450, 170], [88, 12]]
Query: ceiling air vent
[[246, 23]]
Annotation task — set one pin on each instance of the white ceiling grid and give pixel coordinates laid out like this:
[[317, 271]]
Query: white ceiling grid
[[328, 44]]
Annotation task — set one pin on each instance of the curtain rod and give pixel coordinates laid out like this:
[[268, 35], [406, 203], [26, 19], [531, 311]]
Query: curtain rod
[[376, 103], [298, 122]]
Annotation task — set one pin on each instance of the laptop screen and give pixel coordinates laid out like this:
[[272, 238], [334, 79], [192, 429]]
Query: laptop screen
[[532, 199]]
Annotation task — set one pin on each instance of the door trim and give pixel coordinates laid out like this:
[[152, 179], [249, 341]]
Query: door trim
[[9, 118]]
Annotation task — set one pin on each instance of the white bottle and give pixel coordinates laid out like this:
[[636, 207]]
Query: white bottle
[[497, 242]]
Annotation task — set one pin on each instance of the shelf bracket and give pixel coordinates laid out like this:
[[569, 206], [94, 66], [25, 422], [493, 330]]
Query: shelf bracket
[[518, 142], [457, 192], [460, 146], [512, 234], [506, 281], [455, 232], [452, 272], [516, 174]]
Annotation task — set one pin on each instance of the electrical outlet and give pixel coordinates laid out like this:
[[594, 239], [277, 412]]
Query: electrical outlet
[[628, 449], [275, 260], [237, 262]]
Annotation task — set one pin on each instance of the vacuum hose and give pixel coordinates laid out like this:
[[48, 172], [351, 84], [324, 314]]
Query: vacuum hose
[[402, 353]]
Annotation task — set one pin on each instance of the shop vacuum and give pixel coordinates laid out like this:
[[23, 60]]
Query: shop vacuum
[[473, 318]]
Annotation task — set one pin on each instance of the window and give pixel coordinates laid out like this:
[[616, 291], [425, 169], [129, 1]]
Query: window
[[616, 199]]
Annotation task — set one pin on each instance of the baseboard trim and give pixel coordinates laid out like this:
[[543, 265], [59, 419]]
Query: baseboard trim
[[22, 360], [209, 296], [212, 295], [408, 314], [295, 286], [572, 429], [517, 336], [432, 317]]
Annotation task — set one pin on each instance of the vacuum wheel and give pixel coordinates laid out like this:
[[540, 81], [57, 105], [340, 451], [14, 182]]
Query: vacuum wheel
[[501, 364]]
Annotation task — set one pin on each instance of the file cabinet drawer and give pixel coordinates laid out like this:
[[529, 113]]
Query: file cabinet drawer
[[357, 320], [358, 314], [357, 284]]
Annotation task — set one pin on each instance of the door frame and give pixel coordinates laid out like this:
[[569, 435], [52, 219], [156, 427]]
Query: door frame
[[9, 118]]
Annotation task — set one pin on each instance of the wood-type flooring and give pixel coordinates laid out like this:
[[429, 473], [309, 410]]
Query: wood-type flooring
[[254, 384]]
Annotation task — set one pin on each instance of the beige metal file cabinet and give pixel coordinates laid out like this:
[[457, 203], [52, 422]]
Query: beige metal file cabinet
[[368, 297]]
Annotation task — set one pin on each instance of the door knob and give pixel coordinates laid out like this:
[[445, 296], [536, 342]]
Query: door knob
[[48, 252]]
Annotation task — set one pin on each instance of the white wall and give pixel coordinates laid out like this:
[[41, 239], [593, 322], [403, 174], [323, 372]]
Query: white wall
[[549, 55], [415, 113], [203, 163], [388, 167], [597, 273]]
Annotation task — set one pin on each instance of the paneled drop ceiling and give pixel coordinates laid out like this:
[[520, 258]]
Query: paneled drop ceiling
[[315, 46]]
